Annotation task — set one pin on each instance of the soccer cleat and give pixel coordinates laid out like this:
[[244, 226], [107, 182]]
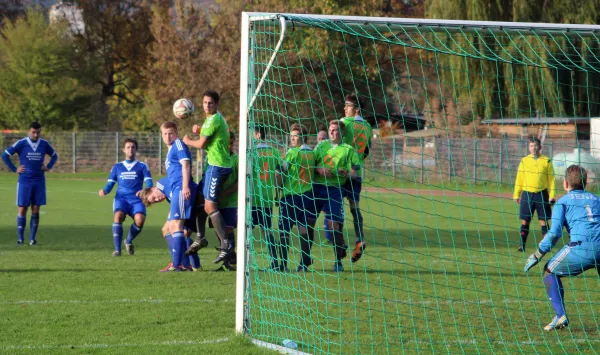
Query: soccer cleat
[[338, 267], [196, 269], [223, 255], [20, 242], [167, 268], [521, 249], [557, 323], [130, 249], [359, 249], [302, 268], [198, 244], [116, 253], [188, 268], [32, 242], [343, 251]]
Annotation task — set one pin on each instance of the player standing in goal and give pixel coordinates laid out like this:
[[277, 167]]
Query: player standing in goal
[[130, 175], [534, 189], [579, 212], [335, 163], [214, 138], [294, 179], [265, 163], [31, 188]]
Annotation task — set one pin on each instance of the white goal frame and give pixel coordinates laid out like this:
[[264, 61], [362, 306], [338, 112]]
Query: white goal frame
[[248, 95]]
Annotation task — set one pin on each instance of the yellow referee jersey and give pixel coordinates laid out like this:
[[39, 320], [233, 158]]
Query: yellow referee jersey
[[535, 175]]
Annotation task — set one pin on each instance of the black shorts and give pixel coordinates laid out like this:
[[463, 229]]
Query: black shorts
[[535, 201]]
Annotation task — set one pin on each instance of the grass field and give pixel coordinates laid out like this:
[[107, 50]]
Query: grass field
[[441, 275]]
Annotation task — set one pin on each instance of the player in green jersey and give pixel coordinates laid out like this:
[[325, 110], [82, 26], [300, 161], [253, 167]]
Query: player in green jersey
[[265, 162], [214, 138], [358, 134], [294, 180], [335, 163]]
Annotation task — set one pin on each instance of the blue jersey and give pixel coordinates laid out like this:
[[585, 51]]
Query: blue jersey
[[579, 212], [130, 177], [178, 152], [31, 155]]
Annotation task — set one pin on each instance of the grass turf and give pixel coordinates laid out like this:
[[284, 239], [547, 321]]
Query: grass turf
[[440, 275]]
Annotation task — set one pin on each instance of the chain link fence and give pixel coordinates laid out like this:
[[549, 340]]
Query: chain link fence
[[429, 160]]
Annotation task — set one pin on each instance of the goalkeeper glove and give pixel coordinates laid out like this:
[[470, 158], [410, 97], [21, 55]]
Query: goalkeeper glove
[[533, 259]]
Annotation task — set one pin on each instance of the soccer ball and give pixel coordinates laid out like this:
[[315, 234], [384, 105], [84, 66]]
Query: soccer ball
[[183, 108]]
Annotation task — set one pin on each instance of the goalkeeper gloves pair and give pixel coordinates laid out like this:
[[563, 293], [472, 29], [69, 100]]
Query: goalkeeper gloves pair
[[533, 259]]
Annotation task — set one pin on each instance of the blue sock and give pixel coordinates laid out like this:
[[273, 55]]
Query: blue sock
[[178, 248], [33, 225], [117, 231], [556, 293], [21, 222], [134, 230], [328, 232], [169, 240], [194, 258]]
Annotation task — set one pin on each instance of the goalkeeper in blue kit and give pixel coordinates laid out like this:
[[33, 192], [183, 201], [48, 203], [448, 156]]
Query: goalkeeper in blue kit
[[579, 212]]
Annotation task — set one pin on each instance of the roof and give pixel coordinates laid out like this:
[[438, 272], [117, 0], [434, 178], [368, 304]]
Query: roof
[[537, 120]]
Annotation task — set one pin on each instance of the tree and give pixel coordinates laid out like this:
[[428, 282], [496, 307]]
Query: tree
[[38, 76]]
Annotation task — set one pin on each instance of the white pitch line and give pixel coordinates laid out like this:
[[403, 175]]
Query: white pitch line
[[110, 346], [35, 302]]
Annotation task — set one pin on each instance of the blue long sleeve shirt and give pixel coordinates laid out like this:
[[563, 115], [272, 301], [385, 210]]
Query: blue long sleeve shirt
[[579, 212]]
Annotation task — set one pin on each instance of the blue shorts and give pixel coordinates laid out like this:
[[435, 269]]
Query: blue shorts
[[575, 258], [329, 200], [535, 201], [296, 210], [129, 207], [31, 193], [213, 181], [351, 189], [180, 208], [262, 217]]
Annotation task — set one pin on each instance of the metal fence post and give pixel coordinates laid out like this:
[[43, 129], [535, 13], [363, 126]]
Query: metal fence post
[[501, 159], [74, 152], [394, 157], [475, 161], [160, 163], [116, 147], [422, 144]]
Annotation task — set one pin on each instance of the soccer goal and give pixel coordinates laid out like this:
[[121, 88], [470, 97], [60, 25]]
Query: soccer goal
[[452, 106]]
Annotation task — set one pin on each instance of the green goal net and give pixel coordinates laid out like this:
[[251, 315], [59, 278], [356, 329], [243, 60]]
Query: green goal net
[[451, 106]]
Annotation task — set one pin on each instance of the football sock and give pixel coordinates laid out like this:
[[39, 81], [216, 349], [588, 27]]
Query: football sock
[[358, 224], [134, 230], [33, 225], [338, 240], [178, 248], [544, 230], [21, 222], [194, 259], [327, 228], [284, 241], [272, 247], [201, 221], [169, 240], [219, 225], [305, 248], [524, 234], [117, 231], [556, 293]]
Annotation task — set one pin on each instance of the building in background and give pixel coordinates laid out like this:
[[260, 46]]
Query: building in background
[[69, 12]]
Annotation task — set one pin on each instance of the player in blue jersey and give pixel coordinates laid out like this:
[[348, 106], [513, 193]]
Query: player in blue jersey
[[159, 193], [579, 212], [31, 188], [179, 171], [130, 174]]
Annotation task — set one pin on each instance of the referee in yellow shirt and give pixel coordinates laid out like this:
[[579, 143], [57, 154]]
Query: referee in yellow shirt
[[534, 189]]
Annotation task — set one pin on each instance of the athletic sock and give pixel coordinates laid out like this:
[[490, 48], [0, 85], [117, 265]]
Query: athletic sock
[[117, 231], [194, 259], [169, 240], [219, 225], [358, 224], [327, 228], [272, 247], [21, 223], [33, 225], [178, 248], [556, 293], [284, 241], [524, 234], [134, 230], [305, 242]]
